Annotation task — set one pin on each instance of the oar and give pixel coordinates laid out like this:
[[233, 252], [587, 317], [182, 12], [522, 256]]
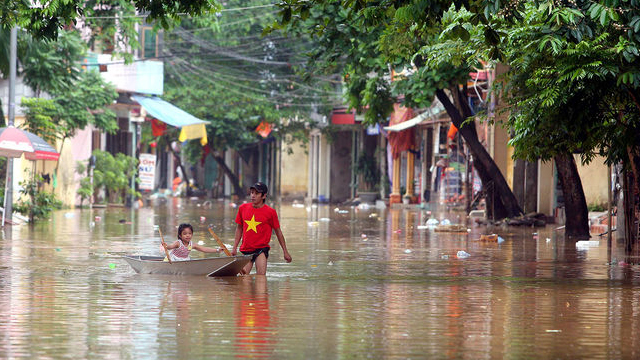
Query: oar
[[222, 245], [165, 249]]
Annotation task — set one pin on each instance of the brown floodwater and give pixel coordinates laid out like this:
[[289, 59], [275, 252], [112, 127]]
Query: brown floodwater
[[364, 283]]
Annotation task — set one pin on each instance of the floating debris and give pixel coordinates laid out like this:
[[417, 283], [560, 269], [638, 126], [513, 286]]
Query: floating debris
[[585, 244], [462, 254], [489, 237], [432, 222], [451, 228]]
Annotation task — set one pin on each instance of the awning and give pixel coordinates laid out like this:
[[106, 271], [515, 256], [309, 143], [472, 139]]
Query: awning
[[191, 127], [431, 112]]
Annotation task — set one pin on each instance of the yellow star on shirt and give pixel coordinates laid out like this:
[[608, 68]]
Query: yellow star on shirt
[[253, 224]]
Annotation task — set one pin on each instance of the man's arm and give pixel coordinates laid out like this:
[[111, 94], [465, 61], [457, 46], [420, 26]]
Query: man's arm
[[283, 245], [234, 251]]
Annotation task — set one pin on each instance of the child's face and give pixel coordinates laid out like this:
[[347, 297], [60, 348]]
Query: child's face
[[186, 235]]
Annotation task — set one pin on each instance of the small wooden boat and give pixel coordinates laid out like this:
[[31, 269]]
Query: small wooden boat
[[213, 266]]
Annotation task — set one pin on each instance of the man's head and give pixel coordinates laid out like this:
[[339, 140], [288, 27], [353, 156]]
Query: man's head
[[258, 193], [260, 187]]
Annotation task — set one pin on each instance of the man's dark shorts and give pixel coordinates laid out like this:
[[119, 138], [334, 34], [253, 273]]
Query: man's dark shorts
[[256, 253]]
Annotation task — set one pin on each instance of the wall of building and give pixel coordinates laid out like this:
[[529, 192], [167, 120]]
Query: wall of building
[[546, 191], [594, 180], [294, 170]]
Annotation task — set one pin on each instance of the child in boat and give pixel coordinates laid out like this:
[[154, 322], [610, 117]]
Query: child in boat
[[180, 248]]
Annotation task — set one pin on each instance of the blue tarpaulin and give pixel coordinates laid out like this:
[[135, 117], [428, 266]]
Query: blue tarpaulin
[[167, 112], [191, 126]]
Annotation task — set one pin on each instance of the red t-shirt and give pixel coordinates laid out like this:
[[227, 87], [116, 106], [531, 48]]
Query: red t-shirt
[[257, 226]]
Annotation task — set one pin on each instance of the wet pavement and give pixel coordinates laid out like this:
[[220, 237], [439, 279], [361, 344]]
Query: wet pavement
[[364, 283]]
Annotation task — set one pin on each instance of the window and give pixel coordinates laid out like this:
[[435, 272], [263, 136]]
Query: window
[[150, 41]]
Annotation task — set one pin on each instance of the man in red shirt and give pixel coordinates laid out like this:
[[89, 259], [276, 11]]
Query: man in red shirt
[[255, 222]]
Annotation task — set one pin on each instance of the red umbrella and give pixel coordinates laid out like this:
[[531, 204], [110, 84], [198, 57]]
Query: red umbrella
[[14, 142]]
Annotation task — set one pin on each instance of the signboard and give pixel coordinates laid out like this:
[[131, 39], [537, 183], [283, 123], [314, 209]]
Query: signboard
[[147, 171]]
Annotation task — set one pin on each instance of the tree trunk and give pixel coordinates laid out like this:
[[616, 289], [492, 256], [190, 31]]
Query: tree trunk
[[184, 171], [237, 189], [501, 203], [631, 191], [629, 210], [576, 212]]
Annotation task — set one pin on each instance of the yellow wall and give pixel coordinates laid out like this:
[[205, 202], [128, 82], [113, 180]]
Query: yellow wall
[[594, 180], [546, 192], [294, 171], [75, 149]]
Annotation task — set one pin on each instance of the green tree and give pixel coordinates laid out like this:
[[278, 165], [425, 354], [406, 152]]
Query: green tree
[[369, 43], [230, 74], [81, 103], [46, 18], [113, 174]]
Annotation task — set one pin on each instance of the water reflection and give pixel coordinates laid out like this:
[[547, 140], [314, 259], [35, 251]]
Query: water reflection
[[254, 329], [364, 283]]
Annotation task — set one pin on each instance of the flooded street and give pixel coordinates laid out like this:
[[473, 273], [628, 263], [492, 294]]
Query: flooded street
[[364, 283]]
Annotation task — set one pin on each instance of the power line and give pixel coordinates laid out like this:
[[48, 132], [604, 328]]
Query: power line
[[260, 99], [142, 16], [230, 81]]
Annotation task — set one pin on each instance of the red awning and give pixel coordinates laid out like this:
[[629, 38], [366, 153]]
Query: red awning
[[342, 117]]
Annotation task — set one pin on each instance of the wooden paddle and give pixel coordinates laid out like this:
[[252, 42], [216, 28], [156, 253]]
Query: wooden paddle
[[165, 249], [222, 245]]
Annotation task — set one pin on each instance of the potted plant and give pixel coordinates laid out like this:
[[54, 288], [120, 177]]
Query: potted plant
[[369, 177]]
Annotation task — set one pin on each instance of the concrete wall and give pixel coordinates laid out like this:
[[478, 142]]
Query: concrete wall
[[546, 192], [294, 169], [594, 180]]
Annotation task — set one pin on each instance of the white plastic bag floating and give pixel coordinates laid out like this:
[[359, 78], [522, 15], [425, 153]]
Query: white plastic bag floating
[[462, 254], [432, 222]]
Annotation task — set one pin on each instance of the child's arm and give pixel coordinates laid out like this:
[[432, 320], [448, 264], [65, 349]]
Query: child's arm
[[174, 245], [206, 249]]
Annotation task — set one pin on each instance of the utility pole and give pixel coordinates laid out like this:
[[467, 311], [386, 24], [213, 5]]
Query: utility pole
[[13, 46]]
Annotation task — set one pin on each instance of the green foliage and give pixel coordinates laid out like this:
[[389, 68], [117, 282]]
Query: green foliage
[[85, 191], [114, 173], [72, 109], [232, 76], [366, 167], [51, 65], [46, 18], [597, 207], [36, 204]]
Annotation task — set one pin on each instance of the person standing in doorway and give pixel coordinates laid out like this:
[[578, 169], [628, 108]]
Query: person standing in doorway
[[255, 222]]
